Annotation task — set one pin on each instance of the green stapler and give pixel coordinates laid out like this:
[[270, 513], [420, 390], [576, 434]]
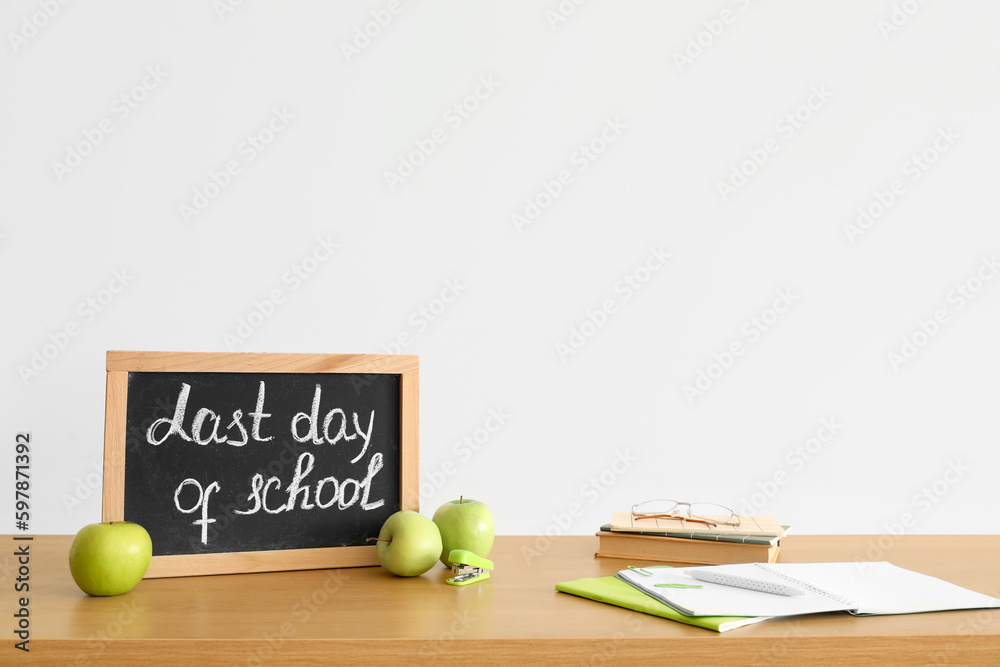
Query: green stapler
[[468, 568]]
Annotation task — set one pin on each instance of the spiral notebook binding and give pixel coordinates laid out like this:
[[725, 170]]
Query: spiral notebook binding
[[807, 586]]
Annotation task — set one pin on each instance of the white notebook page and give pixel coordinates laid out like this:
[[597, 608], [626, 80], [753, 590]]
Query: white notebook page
[[862, 588]]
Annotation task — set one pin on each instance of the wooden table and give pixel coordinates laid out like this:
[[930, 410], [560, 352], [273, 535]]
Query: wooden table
[[364, 616]]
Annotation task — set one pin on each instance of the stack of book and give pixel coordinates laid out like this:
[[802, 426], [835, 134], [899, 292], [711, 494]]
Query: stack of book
[[676, 541]]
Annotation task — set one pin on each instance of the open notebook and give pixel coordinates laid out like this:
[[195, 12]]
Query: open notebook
[[861, 588]]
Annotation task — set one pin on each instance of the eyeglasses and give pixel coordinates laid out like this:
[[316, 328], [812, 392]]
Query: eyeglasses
[[710, 514]]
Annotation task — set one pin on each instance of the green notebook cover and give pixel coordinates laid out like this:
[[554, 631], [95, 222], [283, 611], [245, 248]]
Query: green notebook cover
[[611, 590]]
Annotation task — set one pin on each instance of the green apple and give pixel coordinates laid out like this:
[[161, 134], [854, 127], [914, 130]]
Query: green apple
[[110, 558], [409, 544], [465, 524]]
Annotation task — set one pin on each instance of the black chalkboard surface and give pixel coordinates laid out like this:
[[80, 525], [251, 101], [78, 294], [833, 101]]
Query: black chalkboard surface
[[267, 462], [286, 460]]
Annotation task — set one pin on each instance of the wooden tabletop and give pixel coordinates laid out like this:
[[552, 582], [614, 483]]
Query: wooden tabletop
[[365, 616]]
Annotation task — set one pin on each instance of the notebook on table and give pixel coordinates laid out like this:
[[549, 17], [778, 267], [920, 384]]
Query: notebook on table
[[749, 526], [861, 588], [611, 590]]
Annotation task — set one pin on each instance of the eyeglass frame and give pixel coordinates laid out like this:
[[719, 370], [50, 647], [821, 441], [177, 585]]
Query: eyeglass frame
[[689, 517]]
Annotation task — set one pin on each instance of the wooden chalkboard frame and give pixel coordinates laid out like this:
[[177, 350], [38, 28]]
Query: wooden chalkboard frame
[[120, 364]]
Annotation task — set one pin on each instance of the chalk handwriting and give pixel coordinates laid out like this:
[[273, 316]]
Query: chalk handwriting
[[304, 491], [176, 423]]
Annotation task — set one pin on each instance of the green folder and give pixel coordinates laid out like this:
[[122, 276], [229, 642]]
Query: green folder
[[611, 590]]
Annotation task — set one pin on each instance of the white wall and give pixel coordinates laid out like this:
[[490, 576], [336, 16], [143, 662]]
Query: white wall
[[679, 130]]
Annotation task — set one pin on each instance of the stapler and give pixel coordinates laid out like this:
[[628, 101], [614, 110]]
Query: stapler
[[468, 568]]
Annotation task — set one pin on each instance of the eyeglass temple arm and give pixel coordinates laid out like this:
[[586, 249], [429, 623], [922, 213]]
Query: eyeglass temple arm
[[639, 515]]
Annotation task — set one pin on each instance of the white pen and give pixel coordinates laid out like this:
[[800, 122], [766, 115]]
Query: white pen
[[750, 583]]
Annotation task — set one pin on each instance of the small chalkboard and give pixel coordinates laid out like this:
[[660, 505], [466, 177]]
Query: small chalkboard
[[242, 462]]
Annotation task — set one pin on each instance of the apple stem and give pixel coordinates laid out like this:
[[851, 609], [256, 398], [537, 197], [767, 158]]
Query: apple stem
[[460, 499], [378, 539]]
